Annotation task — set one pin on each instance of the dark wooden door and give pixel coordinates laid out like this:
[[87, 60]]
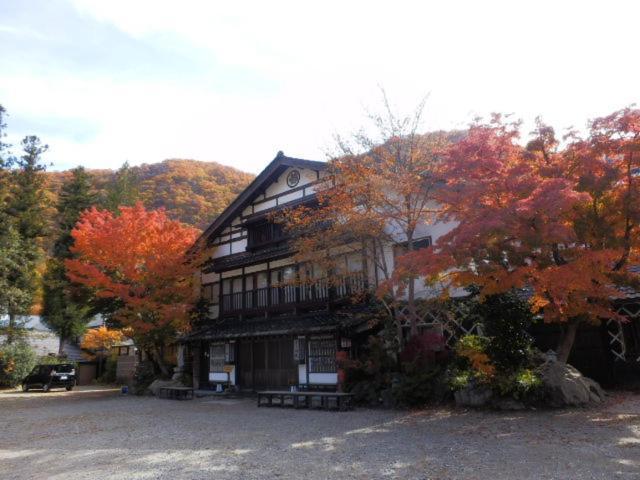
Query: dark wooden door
[[267, 364], [245, 369]]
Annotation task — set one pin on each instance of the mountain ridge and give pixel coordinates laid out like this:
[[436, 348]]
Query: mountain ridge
[[191, 191]]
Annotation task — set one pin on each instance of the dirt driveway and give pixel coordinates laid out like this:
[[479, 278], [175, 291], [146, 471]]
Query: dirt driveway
[[94, 433]]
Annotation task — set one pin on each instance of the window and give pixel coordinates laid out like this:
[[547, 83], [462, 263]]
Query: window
[[211, 293], [298, 350], [123, 351], [322, 355], [217, 357], [265, 233], [419, 243]]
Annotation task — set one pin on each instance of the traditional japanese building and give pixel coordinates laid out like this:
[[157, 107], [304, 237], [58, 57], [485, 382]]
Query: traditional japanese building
[[265, 327], [272, 323]]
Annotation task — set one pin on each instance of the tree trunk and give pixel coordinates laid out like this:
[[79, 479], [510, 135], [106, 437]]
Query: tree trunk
[[60, 346], [12, 326], [399, 334], [159, 361], [566, 340], [411, 306]]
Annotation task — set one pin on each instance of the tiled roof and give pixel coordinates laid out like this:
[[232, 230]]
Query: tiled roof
[[244, 258], [317, 322]]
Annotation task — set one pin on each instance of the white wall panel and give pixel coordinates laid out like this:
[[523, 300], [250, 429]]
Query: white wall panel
[[302, 374], [323, 378], [222, 377]]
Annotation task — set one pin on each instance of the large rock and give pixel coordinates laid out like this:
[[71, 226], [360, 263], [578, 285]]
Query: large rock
[[156, 385], [473, 395], [566, 386]]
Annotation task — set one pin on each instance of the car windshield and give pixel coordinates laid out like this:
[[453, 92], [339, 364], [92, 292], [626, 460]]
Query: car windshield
[[64, 368]]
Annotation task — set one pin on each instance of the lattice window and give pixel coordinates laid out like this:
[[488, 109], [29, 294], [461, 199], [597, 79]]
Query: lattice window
[[217, 354], [454, 321], [322, 355]]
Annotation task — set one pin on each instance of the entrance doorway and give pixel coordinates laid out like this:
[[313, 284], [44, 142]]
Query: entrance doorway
[[266, 363]]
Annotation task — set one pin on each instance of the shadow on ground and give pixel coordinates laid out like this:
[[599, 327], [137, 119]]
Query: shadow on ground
[[96, 433]]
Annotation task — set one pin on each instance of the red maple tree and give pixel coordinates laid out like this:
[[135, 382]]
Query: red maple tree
[[560, 222], [138, 258]]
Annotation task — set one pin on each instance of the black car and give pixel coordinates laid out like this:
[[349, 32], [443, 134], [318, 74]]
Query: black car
[[47, 377]]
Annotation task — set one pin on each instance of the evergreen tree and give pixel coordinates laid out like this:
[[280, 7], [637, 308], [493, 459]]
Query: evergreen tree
[[123, 190], [27, 201], [66, 306], [76, 196], [24, 227]]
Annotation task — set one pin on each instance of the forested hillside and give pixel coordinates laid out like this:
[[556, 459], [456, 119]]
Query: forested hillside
[[191, 191]]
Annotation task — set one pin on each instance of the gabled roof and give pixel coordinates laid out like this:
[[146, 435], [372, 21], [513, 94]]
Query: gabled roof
[[279, 164]]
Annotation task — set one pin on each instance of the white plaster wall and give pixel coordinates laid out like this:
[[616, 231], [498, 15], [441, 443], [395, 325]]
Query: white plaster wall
[[239, 246], [232, 273], [302, 374], [281, 263], [210, 277], [323, 378], [290, 197], [221, 251], [222, 377], [255, 268], [264, 205]]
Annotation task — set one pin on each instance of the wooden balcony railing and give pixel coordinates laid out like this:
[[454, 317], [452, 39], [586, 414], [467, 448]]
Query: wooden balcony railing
[[282, 295]]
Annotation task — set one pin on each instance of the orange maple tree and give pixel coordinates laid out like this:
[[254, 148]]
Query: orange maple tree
[[140, 259], [561, 222], [101, 338], [378, 191]]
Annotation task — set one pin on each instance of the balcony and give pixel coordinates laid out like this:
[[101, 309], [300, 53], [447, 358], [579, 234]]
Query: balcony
[[275, 297]]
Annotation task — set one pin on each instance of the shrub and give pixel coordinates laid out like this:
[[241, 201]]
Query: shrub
[[16, 362], [459, 379], [52, 360], [426, 348], [505, 320], [368, 378], [420, 385], [143, 377], [523, 384], [473, 348], [110, 368]]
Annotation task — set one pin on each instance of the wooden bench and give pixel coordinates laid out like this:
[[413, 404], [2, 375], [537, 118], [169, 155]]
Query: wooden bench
[[176, 393], [305, 399]]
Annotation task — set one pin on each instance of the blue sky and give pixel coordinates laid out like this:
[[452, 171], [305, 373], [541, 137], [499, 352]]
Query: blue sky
[[104, 82]]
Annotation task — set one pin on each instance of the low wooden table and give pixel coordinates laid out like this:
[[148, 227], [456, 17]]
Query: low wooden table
[[305, 399], [176, 393]]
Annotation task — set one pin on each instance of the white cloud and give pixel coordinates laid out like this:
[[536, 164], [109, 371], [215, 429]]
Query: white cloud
[[567, 61]]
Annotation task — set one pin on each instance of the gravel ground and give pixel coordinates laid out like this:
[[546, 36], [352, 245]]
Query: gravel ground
[[94, 433]]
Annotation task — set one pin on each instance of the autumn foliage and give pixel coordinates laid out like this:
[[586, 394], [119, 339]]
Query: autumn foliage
[[101, 338], [560, 222], [557, 219], [138, 259], [378, 191]]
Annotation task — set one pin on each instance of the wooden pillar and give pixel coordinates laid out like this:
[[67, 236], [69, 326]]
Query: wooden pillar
[[197, 361]]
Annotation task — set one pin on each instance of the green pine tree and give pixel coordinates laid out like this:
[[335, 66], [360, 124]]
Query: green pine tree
[[24, 229], [66, 307], [76, 196], [123, 189]]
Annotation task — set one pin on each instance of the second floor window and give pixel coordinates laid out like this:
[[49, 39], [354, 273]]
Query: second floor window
[[418, 243], [265, 233], [211, 293]]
